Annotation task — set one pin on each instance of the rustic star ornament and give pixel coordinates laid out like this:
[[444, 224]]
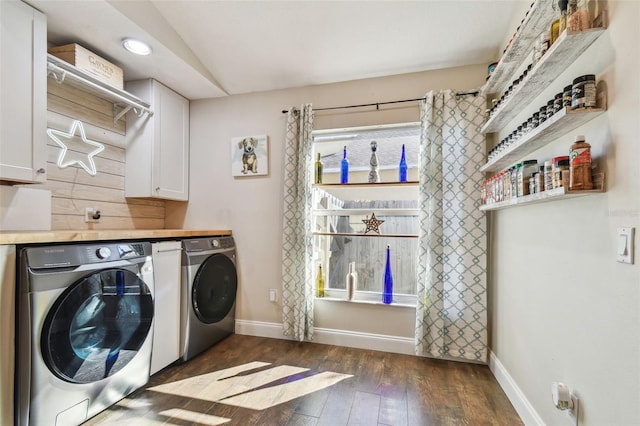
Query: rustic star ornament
[[373, 224], [56, 135]]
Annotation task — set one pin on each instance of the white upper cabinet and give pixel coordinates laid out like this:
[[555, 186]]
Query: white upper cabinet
[[157, 160], [23, 126]]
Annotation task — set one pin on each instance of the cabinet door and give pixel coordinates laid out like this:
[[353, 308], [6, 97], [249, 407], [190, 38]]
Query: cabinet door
[[157, 163], [171, 149], [166, 328], [24, 93]]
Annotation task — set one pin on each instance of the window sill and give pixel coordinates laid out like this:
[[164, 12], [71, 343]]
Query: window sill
[[406, 302]]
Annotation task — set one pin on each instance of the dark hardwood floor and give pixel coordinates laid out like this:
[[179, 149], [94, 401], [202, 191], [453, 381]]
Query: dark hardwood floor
[[246, 380]]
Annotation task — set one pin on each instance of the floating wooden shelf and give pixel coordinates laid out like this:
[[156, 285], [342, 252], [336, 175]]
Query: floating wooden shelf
[[551, 195], [537, 20], [563, 52], [559, 124]]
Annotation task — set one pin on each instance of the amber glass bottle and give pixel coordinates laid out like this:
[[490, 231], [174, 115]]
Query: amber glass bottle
[[319, 283], [317, 175]]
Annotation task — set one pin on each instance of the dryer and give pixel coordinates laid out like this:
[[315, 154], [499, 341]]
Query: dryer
[[209, 287], [85, 318]]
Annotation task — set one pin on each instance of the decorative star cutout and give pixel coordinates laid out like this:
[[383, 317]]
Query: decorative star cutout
[[373, 224], [77, 125]]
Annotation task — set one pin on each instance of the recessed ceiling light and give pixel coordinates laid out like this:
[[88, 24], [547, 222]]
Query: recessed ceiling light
[[136, 46]]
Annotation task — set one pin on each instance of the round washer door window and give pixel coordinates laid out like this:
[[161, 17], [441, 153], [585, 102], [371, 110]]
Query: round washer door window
[[97, 326], [214, 289]]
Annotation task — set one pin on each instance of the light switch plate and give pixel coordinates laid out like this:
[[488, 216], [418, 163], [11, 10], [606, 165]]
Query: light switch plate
[[624, 245]]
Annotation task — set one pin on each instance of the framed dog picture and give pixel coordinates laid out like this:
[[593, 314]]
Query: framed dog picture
[[250, 156]]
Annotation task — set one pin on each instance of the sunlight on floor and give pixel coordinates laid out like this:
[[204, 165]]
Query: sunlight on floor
[[230, 386], [262, 399], [194, 417]]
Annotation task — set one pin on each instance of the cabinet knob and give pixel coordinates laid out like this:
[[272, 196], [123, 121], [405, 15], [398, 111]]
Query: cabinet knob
[[157, 188], [41, 171]]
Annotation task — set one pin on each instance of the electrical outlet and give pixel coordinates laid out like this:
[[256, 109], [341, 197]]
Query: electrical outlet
[[91, 214], [572, 413], [273, 295], [566, 401]]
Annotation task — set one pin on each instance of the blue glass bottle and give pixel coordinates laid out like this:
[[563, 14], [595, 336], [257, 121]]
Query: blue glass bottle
[[387, 293], [344, 167], [402, 168]]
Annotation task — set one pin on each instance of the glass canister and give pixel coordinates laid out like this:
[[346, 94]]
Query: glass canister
[[578, 15]]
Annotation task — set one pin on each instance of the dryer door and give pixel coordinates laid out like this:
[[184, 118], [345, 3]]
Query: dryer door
[[214, 289], [97, 326]]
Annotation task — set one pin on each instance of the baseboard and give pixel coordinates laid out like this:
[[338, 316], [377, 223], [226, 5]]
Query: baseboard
[[519, 401], [351, 339]]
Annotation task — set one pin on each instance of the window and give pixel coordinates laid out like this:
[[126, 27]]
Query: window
[[339, 210]]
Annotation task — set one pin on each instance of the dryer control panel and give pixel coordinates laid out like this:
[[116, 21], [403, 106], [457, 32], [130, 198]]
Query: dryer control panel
[[208, 244]]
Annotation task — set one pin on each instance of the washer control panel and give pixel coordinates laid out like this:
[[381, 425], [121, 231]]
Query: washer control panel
[[83, 254]]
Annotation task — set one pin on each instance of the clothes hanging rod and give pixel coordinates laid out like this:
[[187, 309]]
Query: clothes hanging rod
[[377, 104]]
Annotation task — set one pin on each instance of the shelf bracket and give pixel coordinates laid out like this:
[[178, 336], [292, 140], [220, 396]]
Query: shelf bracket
[[57, 78], [118, 115]]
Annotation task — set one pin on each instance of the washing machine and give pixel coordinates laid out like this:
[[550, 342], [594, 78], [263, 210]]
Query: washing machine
[[84, 329], [209, 287]]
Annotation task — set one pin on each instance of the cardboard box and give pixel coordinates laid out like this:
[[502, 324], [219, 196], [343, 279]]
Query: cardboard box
[[88, 61]]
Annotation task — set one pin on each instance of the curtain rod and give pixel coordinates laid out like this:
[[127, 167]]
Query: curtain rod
[[377, 104]]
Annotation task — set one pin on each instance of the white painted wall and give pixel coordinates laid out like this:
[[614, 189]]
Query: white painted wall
[[252, 206], [562, 309]]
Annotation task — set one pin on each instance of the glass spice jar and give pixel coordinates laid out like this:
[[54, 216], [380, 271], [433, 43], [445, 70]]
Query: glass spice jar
[[549, 110], [557, 102], [534, 120], [566, 96], [540, 179], [583, 92], [542, 114], [560, 166], [548, 175]]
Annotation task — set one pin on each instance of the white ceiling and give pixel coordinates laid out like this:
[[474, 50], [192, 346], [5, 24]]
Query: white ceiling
[[206, 49]]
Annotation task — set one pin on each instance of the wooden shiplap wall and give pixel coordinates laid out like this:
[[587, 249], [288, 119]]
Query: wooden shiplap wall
[[72, 188]]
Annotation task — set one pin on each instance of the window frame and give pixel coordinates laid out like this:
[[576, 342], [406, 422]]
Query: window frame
[[360, 296]]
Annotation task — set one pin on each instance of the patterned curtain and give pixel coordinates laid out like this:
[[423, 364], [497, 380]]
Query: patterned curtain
[[451, 314], [297, 250]]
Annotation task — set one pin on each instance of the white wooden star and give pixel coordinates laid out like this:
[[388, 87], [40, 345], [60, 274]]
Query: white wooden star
[[373, 224], [77, 125]]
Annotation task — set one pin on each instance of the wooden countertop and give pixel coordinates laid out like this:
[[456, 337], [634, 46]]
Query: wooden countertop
[[33, 237]]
